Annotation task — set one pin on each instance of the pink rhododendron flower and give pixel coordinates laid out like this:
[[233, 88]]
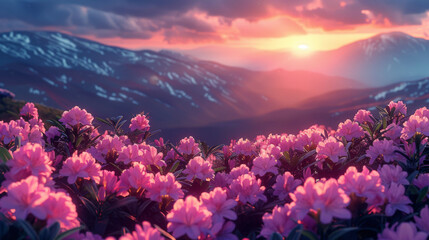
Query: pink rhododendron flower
[[309, 137], [363, 184], [25, 197], [238, 171], [189, 217], [263, 164], [392, 174], [330, 148], [198, 168], [52, 133], [152, 157], [9, 131], [135, 177], [287, 142], [384, 148], [60, 208], [248, 189], [397, 200], [272, 150], [422, 222], [405, 231], [400, 107], [349, 130], [363, 117], [76, 116], [244, 147], [393, 132], [144, 232], [29, 110], [274, 139], [139, 122], [188, 146], [108, 184], [415, 124], [221, 180], [30, 159], [422, 112], [326, 197], [223, 231], [217, 203], [83, 166], [130, 154], [285, 184], [164, 186], [422, 180], [280, 221]]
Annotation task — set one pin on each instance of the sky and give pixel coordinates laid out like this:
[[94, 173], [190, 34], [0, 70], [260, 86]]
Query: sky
[[187, 24]]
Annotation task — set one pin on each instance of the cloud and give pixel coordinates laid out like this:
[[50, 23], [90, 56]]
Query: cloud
[[205, 20]]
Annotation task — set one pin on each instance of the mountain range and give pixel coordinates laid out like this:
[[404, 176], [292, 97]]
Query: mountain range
[[377, 61], [184, 95]]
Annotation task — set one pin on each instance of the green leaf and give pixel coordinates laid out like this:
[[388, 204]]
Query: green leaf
[[412, 176], [29, 230], [309, 235], [339, 234], [49, 233], [103, 121], [219, 169], [5, 154], [120, 203], [296, 233], [307, 155], [57, 124], [276, 236], [4, 228], [423, 192], [163, 232], [175, 165], [69, 232]]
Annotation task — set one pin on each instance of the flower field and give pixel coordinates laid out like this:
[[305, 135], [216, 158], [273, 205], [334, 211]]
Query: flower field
[[367, 179]]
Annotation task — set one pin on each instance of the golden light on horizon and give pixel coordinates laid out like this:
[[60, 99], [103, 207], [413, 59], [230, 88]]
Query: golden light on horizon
[[303, 47]]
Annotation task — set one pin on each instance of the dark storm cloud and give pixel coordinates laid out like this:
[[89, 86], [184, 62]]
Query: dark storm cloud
[[176, 20]]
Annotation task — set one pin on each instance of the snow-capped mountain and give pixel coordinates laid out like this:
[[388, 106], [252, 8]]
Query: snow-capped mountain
[[62, 71]]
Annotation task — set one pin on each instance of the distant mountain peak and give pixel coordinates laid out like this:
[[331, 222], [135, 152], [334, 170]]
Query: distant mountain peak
[[385, 42]]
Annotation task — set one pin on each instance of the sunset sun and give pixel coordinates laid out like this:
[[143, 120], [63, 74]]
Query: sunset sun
[[303, 47]]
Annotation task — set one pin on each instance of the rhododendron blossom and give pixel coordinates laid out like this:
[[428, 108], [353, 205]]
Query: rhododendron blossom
[[188, 146], [135, 177], [280, 221], [82, 165], [287, 142], [29, 110], [199, 168], [364, 184], [285, 184], [164, 186], [349, 130], [400, 107], [60, 208], [384, 148], [309, 137], [263, 164], [150, 156], [139, 122], [392, 174], [393, 132], [396, 200], [189, 217], [76, 116], [30, 159], [422, 222], [363, 116], [25, 197], [330, 148], [217, 203], [415, 124], [130, 154], [248, 189], [244, 147], [143, 232], [326, 197], [108, 184], [405, 231]]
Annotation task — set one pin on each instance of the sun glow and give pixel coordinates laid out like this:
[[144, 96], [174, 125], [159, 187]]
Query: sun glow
[[303, 47]]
